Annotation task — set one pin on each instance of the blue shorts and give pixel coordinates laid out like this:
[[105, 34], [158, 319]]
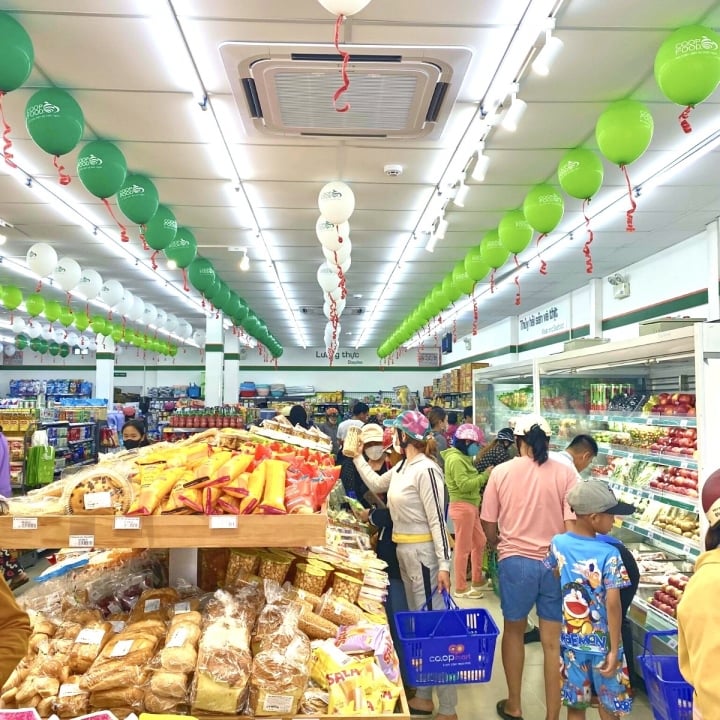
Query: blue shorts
[[525, 583], [581, 679]]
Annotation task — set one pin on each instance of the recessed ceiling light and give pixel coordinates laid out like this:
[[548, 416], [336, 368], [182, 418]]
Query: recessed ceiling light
[[357, 295]]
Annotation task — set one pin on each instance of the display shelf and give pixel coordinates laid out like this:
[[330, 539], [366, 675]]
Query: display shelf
[[664, 539], [655, 619], [632, 454], [72, 424], [153, 531], [184, 430], [678, 501], [650, 420]]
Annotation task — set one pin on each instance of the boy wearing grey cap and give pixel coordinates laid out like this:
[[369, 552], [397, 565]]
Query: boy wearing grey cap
[[591, 574]]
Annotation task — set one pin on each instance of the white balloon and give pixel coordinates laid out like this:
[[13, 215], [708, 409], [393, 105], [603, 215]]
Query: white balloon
[[344, 7], [339, 307], [67, 274], [73, 339], [336, 202], [327, 277], [59, 334], [338, 257], [346, 265], [34, 330], [137, 309], [199, 338], [47, 333], [186, 329], [111, 293], [10, 350], [172, 323], [108, 344], [330, 235], [150, 314], [92, 345], [328, 335], [90, 284], [124, 307], [162, 318], [336, 294], [18, 324], [41, 258]]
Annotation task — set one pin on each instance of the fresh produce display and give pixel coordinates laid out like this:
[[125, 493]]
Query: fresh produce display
[[679, 522], [682, 404], [676, 480], [649, 476], [521, 399], [666, 599], [677, 441]]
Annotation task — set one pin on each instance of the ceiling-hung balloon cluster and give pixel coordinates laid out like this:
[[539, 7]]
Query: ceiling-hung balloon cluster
[[336, 203]]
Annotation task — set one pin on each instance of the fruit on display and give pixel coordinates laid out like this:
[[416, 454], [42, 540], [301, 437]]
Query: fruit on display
[[667, 598], [677, 441], [521, 399], [680, 403], [684, 523], [676, 480]]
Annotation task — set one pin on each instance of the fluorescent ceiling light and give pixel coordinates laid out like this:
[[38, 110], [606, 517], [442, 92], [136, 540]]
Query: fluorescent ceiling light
[[482, 165], [546, 57], [514, 114]]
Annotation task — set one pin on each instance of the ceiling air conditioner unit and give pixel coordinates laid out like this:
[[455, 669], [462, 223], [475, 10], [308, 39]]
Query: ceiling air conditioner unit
[[396, 92]]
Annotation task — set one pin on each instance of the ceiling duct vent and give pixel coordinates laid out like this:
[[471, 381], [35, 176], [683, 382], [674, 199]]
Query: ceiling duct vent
[[317, 310], [396, 92]]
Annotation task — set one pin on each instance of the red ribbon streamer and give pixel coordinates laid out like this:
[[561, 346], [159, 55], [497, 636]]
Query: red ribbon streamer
[[591, 236], [186, 287], [341, 276], [683, 117], [38, 286], [629, 226], [454, 331], [543, 264], [63, 177], [143, 230], [492, 282], [518, 298], [123, 230], [476, 314], [152, 260], [7, 142], [343, 70]]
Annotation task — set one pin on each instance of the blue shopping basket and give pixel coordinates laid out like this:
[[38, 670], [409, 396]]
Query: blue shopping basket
[[453, 646], [671, 698]]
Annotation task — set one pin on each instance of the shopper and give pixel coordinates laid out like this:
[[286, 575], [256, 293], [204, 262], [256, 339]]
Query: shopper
[[298, 416], [452, 426], [12, 571], [525, 497], [437, 417], [581, 451], [497, 452], [592, 575], [134, 435], [5, 483], [330, 427], [469, 419], [14, 633], [698, 613], [360, 415], [415, 499], [464, 484], [371, 436]]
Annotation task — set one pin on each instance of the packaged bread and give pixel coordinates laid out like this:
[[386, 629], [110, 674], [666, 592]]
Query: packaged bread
[[338, 610], [100, 491], [180, 652], [317, 627], [71, 700], [161, 705], [122, 696], [87, 646], [46, 705], [154, 604], [170, 684]]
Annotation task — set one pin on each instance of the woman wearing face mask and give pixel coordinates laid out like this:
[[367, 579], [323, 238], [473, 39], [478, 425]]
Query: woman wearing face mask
[[415, 490], [371, 436], [134, 435], [464, 484]]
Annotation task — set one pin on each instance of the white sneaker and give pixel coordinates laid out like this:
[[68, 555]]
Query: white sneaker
[[469, 592]]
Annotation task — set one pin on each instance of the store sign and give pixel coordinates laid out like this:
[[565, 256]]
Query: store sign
[[119, 373], [545, 321], [429, 357], [345, 357]]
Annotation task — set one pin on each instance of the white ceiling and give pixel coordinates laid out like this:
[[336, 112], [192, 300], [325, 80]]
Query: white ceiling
[[113, 57]]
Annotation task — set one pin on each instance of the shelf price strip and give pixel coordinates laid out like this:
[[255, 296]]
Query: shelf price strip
[[81, 541], [127, 523]]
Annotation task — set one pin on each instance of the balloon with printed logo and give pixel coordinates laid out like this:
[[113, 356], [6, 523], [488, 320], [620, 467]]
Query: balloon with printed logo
[[137, 310], [475, 267], [111, 293], [161, 229], [101, 168], [67, 274], [41, 258], [514, 232], [35, 304], [493, 252], [344, 7], [138, 198], [327, 277], [98, 324], [54, 120], [125, 305], [67, 317], [52, 310], [623, 131], [22, 341], [198, 337], [162, 318], [90, 284], [461, 280], [448, 291], [336, 202], [16, 54], [150, 314], [687, 67], [332, 237], [440, 295], [53, 348], [12, 297], [171, 322], [543, 208], [580, 173], [64, 350], [201, 273], [183, 249]]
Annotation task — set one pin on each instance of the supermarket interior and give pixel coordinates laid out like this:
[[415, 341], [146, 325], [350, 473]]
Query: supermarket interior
[[236, 237]]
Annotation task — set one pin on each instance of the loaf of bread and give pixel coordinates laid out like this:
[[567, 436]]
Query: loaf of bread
[[170, 685], [118, 697], [71, 701], [154, 605], [88, 644]]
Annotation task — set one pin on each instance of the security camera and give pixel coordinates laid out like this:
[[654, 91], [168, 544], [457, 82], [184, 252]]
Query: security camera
[[393, 170]]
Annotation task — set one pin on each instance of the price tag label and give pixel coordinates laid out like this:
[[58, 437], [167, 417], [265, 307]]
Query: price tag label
[[683, 465], [651, 535], [122, 648], [98, 500], [223, 522], [69, 689], [81, 541], [127, 523], [672, 642], [683, 423], [687, 549], [25, 523], [604, 418], [90, 636], [648, 421]]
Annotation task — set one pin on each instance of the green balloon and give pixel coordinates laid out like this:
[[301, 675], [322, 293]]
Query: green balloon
[[67, 316], [53, 309], [493, 252], [439, 292], [39, 345], [222, 297], [54, 120], [515, 232], [201, 273], [624, 131], [543, 208], [461, 280], [99, 324], [173, 350], [35, 305], [22, 341], [64, 350], [101, 168], [12, 297], [161, 229], [16, 54], [183, 249], [241, 310], [53, 348], [213, 290], [117, 333], [138, 198], [455, 291], [475, 267], [82, 322], [278, 353], [687, 65], [447, 288], [580, 173]]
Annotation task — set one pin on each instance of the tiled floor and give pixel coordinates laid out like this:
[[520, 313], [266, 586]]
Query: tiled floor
[[478, 701]]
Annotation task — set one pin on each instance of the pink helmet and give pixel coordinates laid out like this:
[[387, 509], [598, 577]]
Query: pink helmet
[[467, 432]]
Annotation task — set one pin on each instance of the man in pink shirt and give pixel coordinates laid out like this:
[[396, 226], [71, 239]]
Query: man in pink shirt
[[524, 506]]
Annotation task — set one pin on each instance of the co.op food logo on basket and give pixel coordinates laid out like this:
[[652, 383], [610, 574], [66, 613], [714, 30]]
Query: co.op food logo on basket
[[568, 168], [89, 161], [131, 190], [701, 44], [45, 108], [455, 653]]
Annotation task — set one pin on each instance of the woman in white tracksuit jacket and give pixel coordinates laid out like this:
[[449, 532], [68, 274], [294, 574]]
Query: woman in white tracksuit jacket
[[415, 490]]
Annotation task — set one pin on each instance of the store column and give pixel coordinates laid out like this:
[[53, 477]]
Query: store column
[[596, 307], [214, 349], [712, 234], [105, 376], [231, 384]]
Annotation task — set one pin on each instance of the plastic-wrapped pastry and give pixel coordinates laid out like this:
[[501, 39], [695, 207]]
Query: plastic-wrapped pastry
[[87, 646]]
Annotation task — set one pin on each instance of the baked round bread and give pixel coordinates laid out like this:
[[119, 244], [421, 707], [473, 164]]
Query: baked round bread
[[99, 492]]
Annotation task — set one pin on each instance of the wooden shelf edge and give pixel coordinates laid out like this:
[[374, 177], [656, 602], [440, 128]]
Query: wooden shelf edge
[[178, 531]]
